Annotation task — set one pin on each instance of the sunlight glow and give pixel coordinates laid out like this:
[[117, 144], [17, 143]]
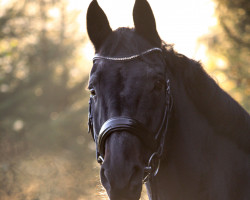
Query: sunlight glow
[[179, 22], [221, 64]]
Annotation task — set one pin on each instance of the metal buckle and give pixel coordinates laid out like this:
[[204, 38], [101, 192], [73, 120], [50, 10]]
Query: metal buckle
[[100, 160], [150, 168]]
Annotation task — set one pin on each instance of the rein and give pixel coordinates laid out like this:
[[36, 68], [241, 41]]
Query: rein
[[135, 127]]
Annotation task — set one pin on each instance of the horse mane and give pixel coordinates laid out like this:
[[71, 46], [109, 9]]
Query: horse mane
[[223, 113]]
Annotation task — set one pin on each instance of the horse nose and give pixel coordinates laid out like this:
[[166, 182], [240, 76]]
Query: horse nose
[[122, 183], [122, 169]]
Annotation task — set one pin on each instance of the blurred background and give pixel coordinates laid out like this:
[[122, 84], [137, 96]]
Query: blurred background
[[45, 59]]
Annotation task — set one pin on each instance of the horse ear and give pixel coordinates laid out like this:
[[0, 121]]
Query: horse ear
[[145, 22], [97, 25]]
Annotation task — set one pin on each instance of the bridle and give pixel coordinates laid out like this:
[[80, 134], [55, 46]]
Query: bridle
[[133, 126]]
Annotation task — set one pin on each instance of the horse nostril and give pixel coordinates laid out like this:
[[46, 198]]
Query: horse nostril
[[136, 176], [104, 179]]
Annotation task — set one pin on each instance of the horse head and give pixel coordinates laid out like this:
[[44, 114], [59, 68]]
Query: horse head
[[130, 100]]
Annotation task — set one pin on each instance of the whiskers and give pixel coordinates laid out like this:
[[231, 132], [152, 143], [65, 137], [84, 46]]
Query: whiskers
[[144, 195], [102, 195]]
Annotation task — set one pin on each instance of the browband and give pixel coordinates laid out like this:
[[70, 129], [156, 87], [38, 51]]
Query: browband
[[98, 57]]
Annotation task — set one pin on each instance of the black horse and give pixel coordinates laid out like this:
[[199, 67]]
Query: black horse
[[158, 118]]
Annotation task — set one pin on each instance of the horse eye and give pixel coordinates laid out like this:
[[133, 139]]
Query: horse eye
[[92, 92], [159, 84]]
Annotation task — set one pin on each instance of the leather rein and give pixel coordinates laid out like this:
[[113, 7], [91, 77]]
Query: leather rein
[[134, 127]]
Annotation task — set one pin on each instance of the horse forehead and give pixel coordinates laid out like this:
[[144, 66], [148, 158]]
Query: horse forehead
[[125, 71]]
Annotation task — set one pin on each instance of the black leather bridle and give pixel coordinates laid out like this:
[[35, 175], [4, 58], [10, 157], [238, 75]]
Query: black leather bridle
[[133, 126]]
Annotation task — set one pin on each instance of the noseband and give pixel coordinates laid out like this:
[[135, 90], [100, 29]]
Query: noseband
[[133, 126]]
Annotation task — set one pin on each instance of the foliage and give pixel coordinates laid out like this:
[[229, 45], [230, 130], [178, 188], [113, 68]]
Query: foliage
[[44, 151], [229, 48]]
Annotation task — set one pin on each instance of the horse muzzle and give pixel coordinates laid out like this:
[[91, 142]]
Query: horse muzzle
[[122, 170]]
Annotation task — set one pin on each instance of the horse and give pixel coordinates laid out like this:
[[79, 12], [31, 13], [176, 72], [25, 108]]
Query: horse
[[158, 118]]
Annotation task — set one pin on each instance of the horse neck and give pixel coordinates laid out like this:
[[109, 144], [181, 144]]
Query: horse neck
[[222, 112], [199, 156]]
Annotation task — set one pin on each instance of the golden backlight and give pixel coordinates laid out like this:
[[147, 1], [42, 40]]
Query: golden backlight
[[179, 22]]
